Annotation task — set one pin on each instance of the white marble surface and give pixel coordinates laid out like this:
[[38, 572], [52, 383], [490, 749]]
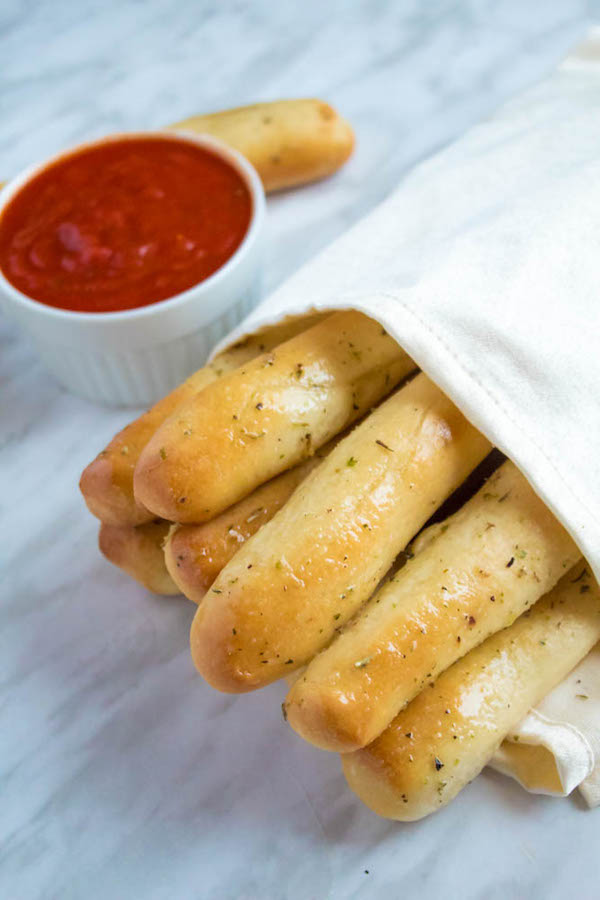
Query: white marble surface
[[122, 774]]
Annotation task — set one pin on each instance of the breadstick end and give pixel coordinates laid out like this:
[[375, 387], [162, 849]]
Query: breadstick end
[[150, 488], [182, 566], [163, 474], [318, 716], [213, 647], [137, 551], [104, 499], [389, 795]]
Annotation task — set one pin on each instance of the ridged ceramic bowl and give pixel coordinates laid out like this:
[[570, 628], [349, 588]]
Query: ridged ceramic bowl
[[135, 357]]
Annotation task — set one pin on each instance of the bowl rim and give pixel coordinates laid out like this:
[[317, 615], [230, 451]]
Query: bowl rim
[[232, 156]]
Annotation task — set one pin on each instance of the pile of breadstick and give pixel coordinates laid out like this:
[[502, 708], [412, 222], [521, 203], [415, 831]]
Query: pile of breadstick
[[278, 487]]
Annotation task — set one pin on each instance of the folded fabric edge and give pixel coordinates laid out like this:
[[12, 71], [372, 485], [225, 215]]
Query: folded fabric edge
[[546, 756]]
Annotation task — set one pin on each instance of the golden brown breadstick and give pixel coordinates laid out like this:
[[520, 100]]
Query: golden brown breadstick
[[305, 573], [107, 482], [195, 554], [266, 417], [289, 142], [139, 552], [486, 564], [445, 737]]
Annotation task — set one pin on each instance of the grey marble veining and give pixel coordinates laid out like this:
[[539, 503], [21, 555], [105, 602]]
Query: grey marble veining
[[122, 774]]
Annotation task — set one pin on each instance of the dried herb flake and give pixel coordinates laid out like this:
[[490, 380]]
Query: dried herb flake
[[361, 663]]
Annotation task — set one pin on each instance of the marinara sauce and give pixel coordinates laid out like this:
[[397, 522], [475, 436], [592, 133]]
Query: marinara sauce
[[123, 224]]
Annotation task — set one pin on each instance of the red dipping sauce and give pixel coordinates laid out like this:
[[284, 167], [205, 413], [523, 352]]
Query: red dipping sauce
[[123, 224]]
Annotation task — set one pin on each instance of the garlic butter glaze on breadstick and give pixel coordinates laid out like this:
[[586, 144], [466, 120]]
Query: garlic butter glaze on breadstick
[[289, 142], [139, 552], [266, 417], [195, 554], [289, 589], [107, 482], [445, 737], [482, 568]]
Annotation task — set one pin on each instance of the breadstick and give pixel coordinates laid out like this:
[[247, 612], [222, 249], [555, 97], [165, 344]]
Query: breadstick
[[487, 563], [266, 417], [195, 554], [289, 589], [445, 737], [289, 142], [139, 552], [107, 483]]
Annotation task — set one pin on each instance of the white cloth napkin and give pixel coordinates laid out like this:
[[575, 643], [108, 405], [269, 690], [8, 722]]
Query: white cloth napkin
[[556, 748], [485, 265]]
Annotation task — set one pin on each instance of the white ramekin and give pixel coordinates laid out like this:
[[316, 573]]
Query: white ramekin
[[135, 357]]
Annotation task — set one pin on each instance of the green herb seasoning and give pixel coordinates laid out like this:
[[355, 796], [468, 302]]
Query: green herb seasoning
[[361, 663]]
